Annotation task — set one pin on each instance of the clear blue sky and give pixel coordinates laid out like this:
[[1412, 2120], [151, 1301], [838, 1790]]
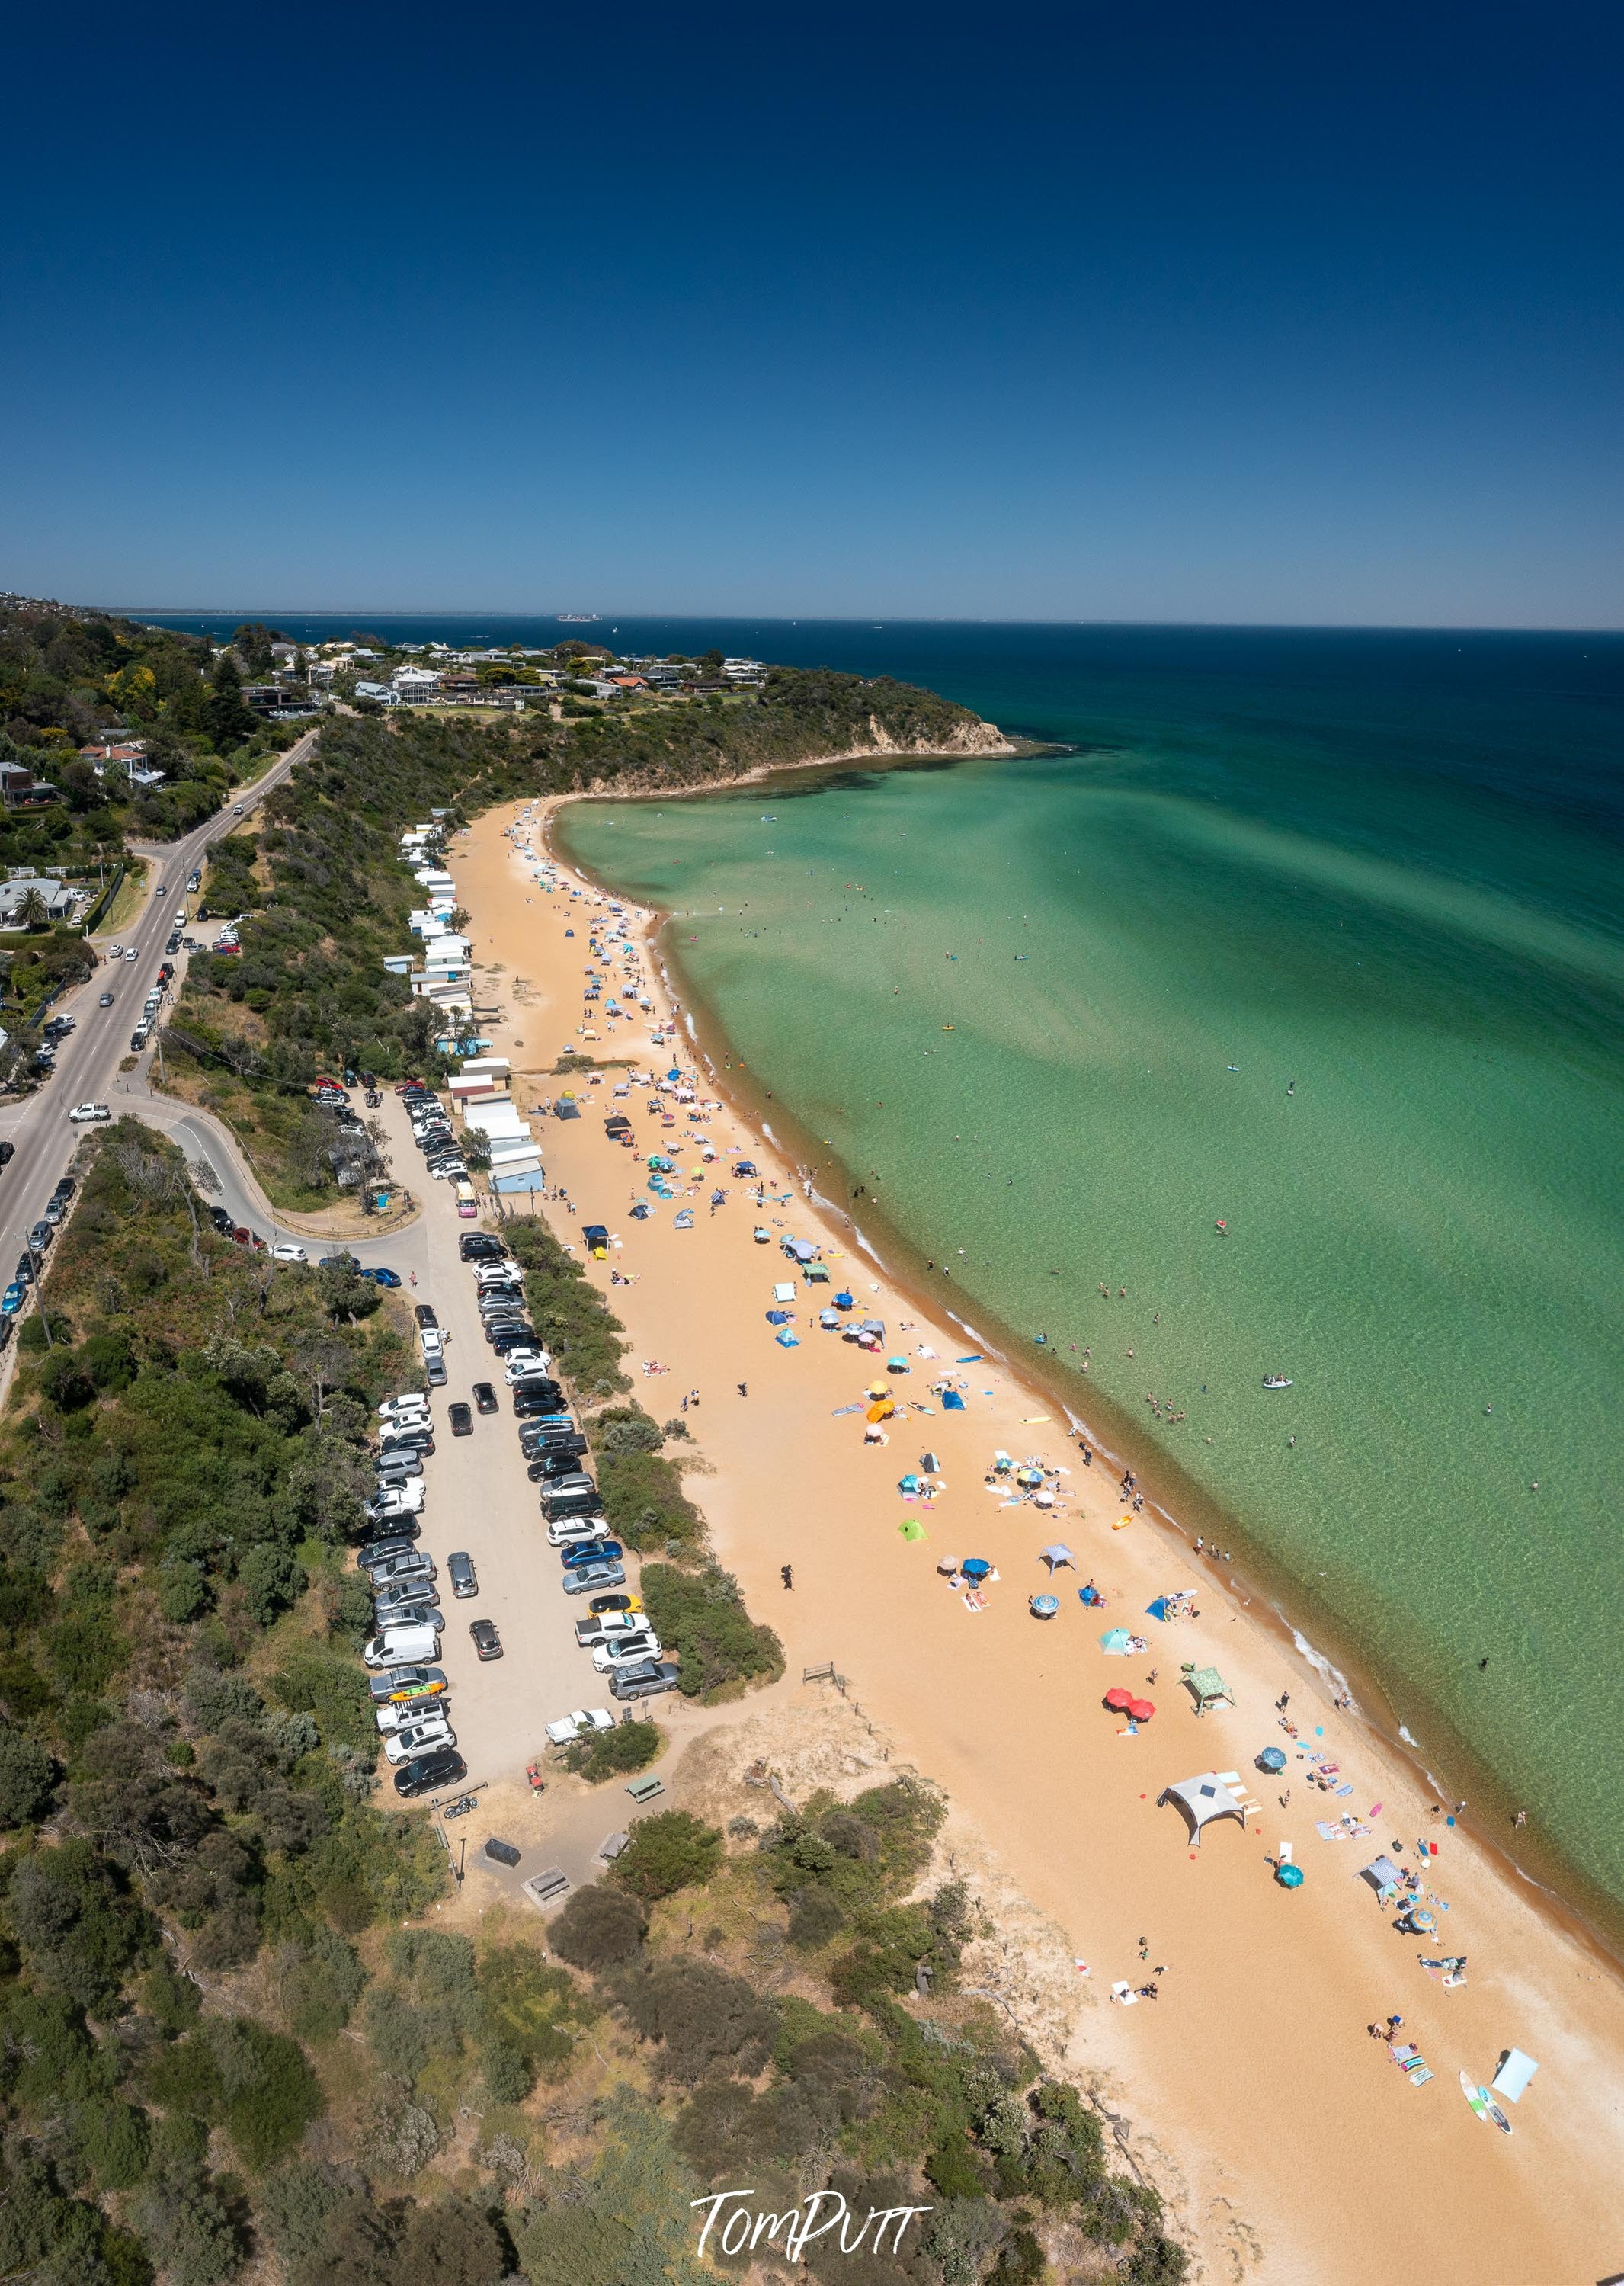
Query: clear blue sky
[[1246, 314]]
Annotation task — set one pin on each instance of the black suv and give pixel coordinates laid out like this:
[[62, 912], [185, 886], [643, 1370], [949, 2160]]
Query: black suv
[[480, 1246], [442, 1766]]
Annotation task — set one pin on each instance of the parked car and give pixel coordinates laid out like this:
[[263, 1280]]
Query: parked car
[[461, 1573], [583, 1724], [427, 1773], [84, 1112], [410, 1401], [401, 1681], [414, 1739], [606, 1626], [600, 1573], [386, 1544], [481, 1246], [286, 1250], [401, 1645], [485, 1397], [401, 1595], [648, 1679], [555, 1464], [411, 1566], [415, 1434], [616, 1604], [434, 1368], [399, 1462], [461, 1420], [381, 1277], [625, 1651], [488, 1643], [13, 1298], [393, 1715], [603, 1550]]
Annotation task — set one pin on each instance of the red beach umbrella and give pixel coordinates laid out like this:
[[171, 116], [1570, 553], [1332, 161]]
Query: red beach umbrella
[[1141, 1710], [1119, 1699]]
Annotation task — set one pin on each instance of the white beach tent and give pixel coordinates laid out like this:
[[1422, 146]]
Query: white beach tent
[[1511, 2080], [1201, 1799]]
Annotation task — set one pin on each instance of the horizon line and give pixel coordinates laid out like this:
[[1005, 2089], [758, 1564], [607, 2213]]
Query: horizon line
[[815, 619]]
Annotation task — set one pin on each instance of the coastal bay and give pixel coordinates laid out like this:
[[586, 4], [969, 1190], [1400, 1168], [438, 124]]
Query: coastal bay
[[1266, 1995], [1417, 936]]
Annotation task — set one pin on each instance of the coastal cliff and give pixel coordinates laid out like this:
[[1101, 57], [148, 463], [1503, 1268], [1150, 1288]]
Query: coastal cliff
[[800, 716]]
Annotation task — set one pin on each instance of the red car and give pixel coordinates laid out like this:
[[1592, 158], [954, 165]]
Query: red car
[[407, 1083]]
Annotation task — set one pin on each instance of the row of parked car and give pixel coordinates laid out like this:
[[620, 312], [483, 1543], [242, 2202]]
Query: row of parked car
[[433, 1132], [623, 1646], [408, 1689], [28, 1262]]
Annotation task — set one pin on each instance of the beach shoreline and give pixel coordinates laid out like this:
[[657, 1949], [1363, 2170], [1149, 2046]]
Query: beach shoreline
[[1182, 1508], [946, 1687]]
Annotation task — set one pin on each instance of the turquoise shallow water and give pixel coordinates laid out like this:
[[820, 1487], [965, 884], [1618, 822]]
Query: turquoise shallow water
[[1386, 869]]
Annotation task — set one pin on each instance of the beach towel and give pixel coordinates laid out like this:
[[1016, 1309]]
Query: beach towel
[[974, 1358], [845, 1408], [1126, 1994], [973, 1601], [952, 1401]]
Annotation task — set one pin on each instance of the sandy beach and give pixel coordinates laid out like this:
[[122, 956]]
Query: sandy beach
[[1289, 2144]]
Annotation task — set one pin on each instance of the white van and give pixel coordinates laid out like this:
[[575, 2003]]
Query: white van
[[404, 1646]]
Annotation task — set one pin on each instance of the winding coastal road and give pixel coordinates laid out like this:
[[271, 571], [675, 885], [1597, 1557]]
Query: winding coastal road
[[87, 1069]]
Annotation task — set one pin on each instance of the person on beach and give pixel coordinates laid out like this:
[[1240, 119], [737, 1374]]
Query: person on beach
[[787, 1573]]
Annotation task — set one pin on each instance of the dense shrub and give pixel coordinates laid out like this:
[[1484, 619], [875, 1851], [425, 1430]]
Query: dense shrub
[[611, 1754], [598, 1927], [668, 1853], [27, 1778], [701, 1616], [702, 2017]]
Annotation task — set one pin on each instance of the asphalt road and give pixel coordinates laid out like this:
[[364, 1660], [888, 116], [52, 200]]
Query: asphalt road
[[89, 1058]]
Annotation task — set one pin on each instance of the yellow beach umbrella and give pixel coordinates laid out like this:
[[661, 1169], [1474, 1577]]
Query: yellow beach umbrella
[[877, 1389], [882, 1412]]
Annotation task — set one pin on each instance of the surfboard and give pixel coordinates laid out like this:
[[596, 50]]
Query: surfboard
[[1495, 2113], [1474, 2096]]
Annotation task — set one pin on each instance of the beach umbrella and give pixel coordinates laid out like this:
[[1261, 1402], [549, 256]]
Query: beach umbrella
[[1119, 1701], [1289, 1877], [877, 1389], [1272, 1759], [975, 1567], [1058, 1555], [948, 1565], [1114, 1640], [1044, 1607], [882, 1411], [1158, 1610], [897, 1365], [908, 1484], [1141, 1710]]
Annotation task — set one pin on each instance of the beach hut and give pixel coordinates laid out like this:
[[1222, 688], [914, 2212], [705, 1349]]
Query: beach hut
[[1208, 1688], [1056, 1556], [1201, 1801]]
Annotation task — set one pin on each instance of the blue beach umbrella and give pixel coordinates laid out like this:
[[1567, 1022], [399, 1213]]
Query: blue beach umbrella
[[1289, 1877], [975, 1567], [1272, 1759], [1044, 1607], [1116, 1640]]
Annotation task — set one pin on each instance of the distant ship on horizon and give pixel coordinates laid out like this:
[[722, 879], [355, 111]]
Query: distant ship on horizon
[[578, 618]]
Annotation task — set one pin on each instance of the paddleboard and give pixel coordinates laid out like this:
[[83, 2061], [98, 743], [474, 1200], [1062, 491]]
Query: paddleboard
[[1496, 2114], [1474, 2096]]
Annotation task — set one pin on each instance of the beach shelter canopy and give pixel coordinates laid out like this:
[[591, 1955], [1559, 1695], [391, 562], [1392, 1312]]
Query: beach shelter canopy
[[1056, 1556], [1208, 1688], [1201, 1799], [1158, 1610], [1381, 1873], [1511, 2080], [912, 1528], [952, 1401], [1116, 1640]]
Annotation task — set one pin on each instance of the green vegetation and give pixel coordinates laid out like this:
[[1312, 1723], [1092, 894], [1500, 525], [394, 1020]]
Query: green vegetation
[[606, 1755], [666, 1854], [70, 677]]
